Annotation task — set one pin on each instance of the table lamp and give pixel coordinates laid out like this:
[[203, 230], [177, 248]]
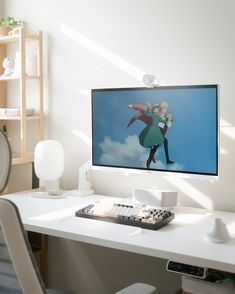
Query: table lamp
[[49, 164]]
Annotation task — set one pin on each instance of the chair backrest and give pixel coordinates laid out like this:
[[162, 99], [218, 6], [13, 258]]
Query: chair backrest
[[18, 271], [5, 160]]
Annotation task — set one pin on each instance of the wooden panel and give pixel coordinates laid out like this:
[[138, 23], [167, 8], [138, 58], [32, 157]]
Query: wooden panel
[[2, 84], [38, 245], [23, 138], [2, 92], [40, 73]]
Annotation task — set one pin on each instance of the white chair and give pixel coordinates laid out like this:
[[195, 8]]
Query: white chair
[[138, 288], [18, 270]]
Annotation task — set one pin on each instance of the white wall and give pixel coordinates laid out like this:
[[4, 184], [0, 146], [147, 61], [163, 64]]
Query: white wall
[[108, 43], [2, 8], [105, 43]]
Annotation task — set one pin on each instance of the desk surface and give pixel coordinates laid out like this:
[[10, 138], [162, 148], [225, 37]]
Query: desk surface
[[183, 240]]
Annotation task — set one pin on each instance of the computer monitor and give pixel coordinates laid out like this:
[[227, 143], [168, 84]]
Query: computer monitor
[[166, 129]]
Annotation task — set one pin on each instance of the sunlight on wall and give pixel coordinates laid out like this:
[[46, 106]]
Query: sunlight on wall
[[191, 191], [224, 123], [223, 151], [229, 132], [227, 129], [85, 92], [82, 136], [103, 52]]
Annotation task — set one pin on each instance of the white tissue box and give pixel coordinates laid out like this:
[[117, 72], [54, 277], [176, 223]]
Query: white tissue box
[[153, 197]]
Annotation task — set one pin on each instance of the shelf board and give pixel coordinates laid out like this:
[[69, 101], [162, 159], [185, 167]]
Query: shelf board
[[31, 37], [16, 78], [32, 77], [9, 78], [9, 39], [16, 159], [32, 117], [28, 117], [16, 38]]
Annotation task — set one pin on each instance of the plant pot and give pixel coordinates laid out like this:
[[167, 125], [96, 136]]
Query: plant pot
[[4, 31]]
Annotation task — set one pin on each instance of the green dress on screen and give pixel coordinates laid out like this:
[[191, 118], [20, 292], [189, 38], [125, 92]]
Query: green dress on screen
[[152, 135]]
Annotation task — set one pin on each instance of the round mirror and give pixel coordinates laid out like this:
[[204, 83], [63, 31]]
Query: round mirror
[[5, 160]]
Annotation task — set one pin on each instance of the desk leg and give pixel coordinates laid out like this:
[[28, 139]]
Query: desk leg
[[38, 245], [42, 257], [38, 241]]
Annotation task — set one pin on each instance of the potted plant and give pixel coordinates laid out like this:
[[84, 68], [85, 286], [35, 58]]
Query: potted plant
[[7, 24]]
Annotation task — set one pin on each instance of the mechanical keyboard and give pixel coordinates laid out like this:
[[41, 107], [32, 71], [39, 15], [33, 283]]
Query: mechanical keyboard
[[127, 214]]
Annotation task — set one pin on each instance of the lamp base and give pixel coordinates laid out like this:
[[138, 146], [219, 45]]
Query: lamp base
[[48, 194], [50, 185], [80, 193]]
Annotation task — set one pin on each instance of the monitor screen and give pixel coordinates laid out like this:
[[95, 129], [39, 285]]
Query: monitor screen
[[168, 129]]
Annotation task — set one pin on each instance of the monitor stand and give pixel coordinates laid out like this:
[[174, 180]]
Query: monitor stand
[[84, 183]]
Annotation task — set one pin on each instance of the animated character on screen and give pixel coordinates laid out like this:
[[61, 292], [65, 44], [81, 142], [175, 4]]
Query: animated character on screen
[[158, 120]]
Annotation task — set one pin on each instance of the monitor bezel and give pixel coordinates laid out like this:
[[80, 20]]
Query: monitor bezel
[[216, 86]]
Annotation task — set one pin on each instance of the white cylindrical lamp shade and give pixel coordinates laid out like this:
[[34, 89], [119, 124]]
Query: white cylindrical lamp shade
[[49, 163]]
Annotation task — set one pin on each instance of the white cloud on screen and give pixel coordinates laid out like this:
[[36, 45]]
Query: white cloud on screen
[[176, 166], [130, 153]]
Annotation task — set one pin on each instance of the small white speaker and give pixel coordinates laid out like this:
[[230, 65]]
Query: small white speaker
[[218, 232], [153, 197]]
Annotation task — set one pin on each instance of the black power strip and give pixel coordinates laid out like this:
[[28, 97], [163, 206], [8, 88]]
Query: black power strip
[[186, 269]]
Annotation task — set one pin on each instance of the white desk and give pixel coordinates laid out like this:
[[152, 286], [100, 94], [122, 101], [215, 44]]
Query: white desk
[[183, 240]]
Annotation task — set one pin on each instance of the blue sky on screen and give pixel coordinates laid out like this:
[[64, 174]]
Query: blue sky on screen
[[191, 139]]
